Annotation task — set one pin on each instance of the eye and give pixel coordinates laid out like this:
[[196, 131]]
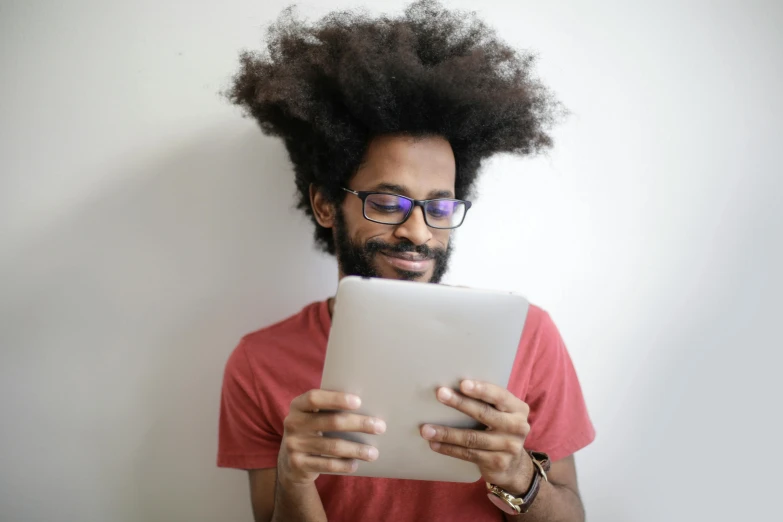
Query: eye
[[440, 209], [387, 204], [390, 208]]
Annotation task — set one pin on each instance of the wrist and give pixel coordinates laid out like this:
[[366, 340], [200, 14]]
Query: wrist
[[520, 483], [516, 497], [293, 482]]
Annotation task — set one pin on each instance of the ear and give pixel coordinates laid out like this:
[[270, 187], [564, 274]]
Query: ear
[[323, 210]]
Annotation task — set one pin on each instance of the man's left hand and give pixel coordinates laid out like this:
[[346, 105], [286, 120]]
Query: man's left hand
[[499, 450]]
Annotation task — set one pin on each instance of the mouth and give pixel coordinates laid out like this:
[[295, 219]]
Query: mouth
[[408, 261]]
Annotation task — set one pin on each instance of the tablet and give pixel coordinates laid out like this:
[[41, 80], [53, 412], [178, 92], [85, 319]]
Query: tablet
[[393, 343]]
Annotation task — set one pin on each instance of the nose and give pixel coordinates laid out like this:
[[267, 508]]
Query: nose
[[414, 229]]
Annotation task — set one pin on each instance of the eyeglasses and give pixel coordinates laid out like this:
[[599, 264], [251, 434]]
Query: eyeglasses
[[393, 209]]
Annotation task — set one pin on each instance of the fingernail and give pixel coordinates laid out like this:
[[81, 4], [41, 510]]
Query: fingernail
[[435, 445], [354, 466], [353, 401], [445, 394], [468, 385], [372, 453], [428, 432], [378, 426]]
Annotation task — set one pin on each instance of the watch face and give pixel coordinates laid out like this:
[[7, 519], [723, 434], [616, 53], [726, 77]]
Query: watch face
[[502, 505]]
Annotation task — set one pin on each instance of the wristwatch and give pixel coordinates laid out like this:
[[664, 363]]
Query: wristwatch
[[516, 505]]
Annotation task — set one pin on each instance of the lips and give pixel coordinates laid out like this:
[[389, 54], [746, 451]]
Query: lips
[[408, 256], [409, 261]]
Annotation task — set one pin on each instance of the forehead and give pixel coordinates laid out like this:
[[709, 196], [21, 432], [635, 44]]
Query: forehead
[[422, 165]]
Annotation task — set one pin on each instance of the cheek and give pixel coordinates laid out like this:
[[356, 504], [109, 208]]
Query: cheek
[[366, 230], [442, 237], [354, 222]]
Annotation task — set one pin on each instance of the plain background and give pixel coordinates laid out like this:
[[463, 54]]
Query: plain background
[[146, 226]]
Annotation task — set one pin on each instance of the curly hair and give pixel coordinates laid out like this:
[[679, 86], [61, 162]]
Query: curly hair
[[328, 88]]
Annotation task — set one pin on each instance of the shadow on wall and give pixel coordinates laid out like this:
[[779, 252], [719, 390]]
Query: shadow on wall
[[126, 311]]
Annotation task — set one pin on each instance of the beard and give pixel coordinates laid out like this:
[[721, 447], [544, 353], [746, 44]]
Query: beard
[[359, 260]]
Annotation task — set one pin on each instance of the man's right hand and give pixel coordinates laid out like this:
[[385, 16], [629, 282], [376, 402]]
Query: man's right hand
[[305, 453]]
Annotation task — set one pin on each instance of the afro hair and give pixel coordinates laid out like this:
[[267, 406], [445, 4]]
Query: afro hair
[[327, 88]]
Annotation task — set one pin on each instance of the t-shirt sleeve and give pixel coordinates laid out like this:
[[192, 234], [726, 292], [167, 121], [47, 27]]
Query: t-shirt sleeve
[[559, 423], [246, 439]]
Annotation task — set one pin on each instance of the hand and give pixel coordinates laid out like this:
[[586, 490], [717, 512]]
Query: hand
[[498, 451], [305, 452]]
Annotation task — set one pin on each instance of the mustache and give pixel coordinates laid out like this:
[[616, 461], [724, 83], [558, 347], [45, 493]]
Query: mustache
[[375, 246]]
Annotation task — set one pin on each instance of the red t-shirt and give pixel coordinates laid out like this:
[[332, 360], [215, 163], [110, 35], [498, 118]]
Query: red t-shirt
[[272, 366]]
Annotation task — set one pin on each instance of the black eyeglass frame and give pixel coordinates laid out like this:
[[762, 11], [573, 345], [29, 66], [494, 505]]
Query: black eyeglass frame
[[363, 195]]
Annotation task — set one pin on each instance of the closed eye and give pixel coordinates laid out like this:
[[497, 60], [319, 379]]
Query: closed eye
[[441, 209], [385, 208]]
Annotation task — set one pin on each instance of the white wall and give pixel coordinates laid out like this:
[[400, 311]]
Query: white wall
[[145, 227]]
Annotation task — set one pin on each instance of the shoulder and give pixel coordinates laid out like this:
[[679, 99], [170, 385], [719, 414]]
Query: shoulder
[[547, 381], [293, 336], [539, 346], [539, 331], [305, 322], [283, 353]]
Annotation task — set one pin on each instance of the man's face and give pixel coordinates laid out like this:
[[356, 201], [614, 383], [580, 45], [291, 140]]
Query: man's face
[[420, 168]]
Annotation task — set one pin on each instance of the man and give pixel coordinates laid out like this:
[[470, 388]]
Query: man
[[386, 121]]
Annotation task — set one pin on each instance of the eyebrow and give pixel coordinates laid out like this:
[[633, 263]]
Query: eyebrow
[[403, 191]]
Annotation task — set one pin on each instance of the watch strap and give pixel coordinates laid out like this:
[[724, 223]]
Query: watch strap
[[542, 464]]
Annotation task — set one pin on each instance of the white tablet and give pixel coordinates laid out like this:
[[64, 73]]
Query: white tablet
[[393, 343]]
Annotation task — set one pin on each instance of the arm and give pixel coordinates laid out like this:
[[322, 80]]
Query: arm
[[262, 493], [275, 502]]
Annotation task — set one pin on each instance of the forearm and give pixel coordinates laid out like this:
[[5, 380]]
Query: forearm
[[554, 503], [297, 503]]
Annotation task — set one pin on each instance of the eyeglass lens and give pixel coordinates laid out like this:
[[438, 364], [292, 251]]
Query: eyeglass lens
[[393, 210]]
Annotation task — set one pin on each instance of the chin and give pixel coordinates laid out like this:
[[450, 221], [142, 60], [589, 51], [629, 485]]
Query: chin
[[414, 276], [405, 275]]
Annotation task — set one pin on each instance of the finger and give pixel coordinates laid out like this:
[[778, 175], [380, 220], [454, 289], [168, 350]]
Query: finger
[[316, 400], [489, 460], [345, 422], [473, 439], [315, 464], [334, 447], [483, 412], [501, 398]]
